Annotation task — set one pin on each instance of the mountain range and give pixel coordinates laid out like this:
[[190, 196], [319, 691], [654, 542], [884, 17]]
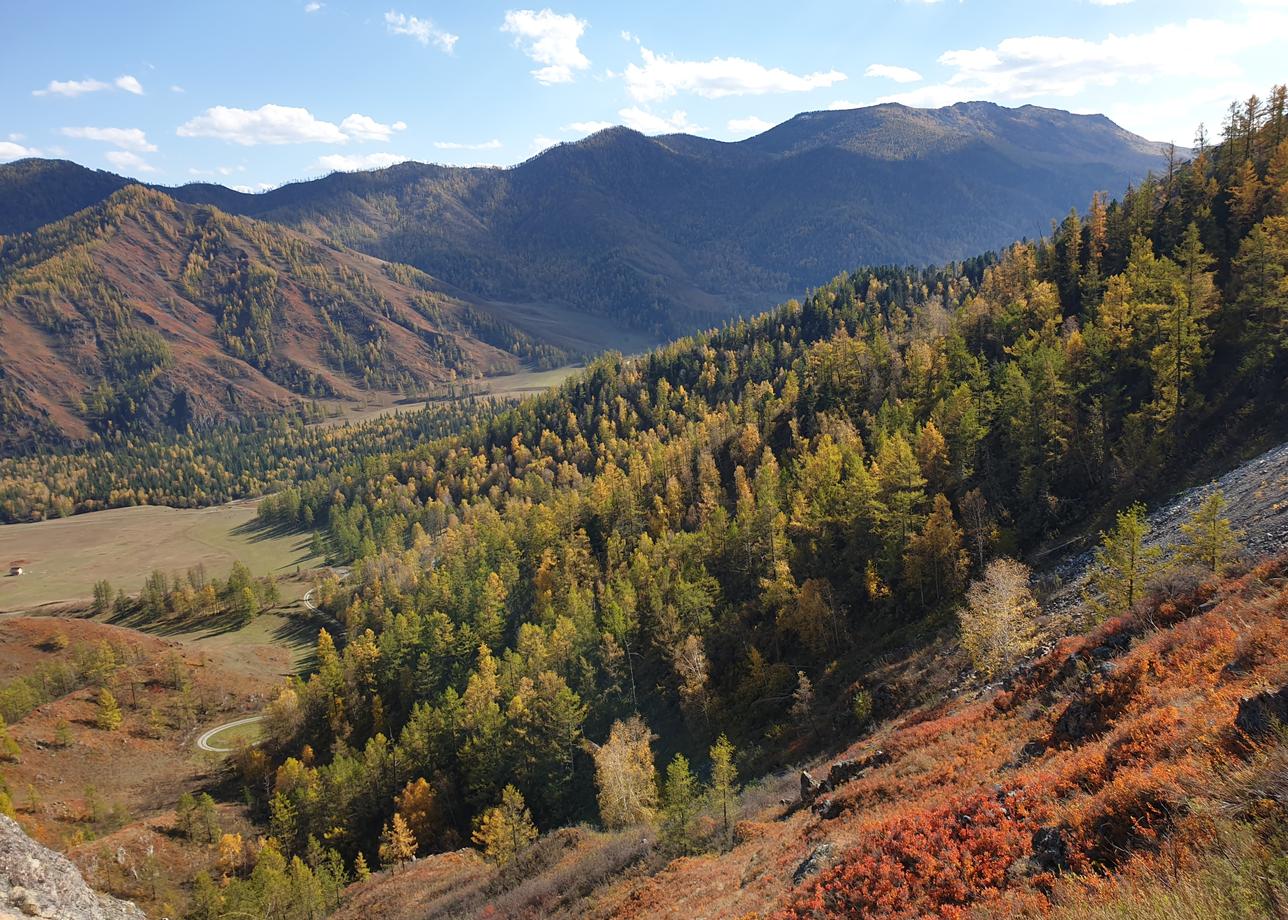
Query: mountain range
[[615, 241]]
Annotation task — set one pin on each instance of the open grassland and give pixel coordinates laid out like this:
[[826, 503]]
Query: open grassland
[[65, 557], [505, 386]]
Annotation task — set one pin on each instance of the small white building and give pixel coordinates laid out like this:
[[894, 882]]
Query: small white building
[[17, 567]]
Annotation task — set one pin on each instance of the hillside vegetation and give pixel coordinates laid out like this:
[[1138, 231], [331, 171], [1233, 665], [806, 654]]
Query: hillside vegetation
[[717, 543], [142, 312]]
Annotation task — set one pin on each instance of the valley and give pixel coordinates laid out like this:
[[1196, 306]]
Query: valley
[[870, 512]]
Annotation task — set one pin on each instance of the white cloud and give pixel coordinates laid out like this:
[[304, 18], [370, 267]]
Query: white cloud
[[892, 72], [11, 150], [89, 85], [423, 30], [70, 87], [1027, 67], [651, 123], [282, 124], [840, 104], [493, 144], [125, 138], [1109, 2], [749, 125], [661, 77], [344, 162], [549, 38], [588, 127], [540, 143], [253, 189], [126, 161], [366, 128], [176, 88], [630, 37], [312, 7]]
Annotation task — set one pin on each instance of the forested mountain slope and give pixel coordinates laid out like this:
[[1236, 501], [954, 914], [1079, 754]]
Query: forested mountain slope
[[142, 311], [732, 536], [668, 234]]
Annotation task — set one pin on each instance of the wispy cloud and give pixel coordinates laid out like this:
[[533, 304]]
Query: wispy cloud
[[892, 72], [494, 144], [89, 85], [128, 161], [660, 77], [651, 123], [550, 39], [423, 30], [749, 125], [125, 138], [588, 127], [343, 162], [313, 6], [1026, 67], [281, 124], [12, 150]]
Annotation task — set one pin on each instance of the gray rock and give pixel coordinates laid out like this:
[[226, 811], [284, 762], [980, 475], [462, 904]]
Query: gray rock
[[813, 863], [37, 882]]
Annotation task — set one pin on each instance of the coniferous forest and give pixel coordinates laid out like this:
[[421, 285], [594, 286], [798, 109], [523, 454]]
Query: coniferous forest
[[702, 536]]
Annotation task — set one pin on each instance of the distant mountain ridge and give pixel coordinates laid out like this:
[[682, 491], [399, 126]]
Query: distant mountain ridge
[[665, 234]]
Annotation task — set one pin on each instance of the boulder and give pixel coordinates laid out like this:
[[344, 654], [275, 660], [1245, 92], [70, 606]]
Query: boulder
[[1261, 716], [813, 863], [37, 882]]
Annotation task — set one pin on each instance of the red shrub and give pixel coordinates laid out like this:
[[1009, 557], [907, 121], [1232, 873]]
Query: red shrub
[[929, 864]]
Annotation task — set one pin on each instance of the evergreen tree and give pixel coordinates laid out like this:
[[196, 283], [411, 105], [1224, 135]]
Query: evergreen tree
[[1208, 540], [724, 790], [679, 806], [108, 716], [1124, 565], [504, 831], [397, 843]]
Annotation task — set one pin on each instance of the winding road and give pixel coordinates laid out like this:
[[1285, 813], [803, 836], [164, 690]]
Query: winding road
[[203, 743]]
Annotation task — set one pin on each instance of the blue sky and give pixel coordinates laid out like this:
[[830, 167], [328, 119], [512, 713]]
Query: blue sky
[[253, 94]]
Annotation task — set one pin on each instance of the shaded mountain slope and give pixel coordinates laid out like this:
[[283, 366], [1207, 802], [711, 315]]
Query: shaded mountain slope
[[667, 234], [143, 311]]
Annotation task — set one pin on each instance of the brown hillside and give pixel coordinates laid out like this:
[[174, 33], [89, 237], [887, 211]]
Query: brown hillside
[[141, 311]]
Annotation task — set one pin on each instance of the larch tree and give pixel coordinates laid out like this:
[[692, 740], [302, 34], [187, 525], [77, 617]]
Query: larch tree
[[1207, 538], [397, 843], [504, 831], [1123, 566], [108, 716], [997, 622], [680, 797], [724, 786], [625, 776]]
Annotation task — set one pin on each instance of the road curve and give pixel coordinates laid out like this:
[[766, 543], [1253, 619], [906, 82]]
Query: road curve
[[203, 743]]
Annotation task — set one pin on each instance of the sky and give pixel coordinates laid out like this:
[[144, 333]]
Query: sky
[[255, 94]]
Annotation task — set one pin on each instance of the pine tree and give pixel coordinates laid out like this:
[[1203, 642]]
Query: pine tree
[[1124, 566], [397, 843], [505, 830], [8, 747], [361, 871], [679, 806], [108, 717], [724, 790], [1208, 540]]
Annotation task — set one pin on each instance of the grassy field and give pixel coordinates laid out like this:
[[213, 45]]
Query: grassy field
[[124, 545], [522, 383]]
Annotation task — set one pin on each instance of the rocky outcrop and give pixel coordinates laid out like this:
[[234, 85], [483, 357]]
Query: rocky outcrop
[[1262, 715], [36, 882]]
